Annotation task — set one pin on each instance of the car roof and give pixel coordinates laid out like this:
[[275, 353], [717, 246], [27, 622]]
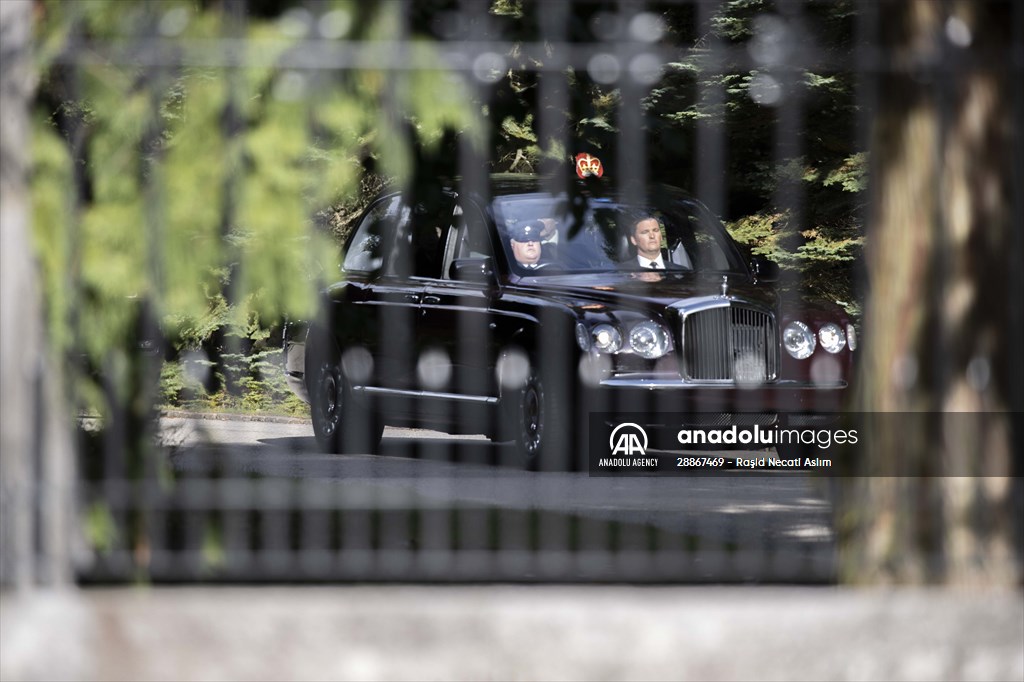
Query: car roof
[[504, 184]]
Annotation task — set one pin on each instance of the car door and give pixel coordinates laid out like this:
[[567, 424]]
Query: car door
[[416, 261], [456, 323], [375, 309]]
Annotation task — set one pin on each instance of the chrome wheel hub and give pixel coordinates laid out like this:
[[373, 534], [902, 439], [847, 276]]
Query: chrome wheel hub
[[533, 420]]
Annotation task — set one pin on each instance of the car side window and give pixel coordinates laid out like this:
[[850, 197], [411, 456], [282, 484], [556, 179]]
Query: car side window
[[427, 246], [697, 239], [366, 250], [421, 237], [468, 238], [473, 240]]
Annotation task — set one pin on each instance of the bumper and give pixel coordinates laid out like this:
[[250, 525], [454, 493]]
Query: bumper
[[670, 393]]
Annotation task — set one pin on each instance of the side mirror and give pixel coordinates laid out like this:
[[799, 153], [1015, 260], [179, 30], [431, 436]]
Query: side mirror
[[477, 270], [764, 270]]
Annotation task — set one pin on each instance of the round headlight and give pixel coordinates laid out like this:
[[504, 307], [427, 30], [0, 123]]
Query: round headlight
[[832, 337], [582, 336], [648, 340], [798, 340], [851, 337], [607, 338]]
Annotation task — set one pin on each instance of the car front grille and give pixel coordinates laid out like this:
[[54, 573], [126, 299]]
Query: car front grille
[[730, 343]]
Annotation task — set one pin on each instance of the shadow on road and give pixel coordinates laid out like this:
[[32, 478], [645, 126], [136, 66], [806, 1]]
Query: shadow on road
[[430, 449], [426, 492]]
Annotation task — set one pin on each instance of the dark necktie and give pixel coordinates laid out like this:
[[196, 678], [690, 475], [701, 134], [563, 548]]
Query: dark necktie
[[654, 266]]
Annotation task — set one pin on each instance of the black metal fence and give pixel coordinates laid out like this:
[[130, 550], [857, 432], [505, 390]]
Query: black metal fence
[[173, 495]]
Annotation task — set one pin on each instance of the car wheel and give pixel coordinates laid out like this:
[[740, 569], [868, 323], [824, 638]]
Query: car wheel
[[339, 423], [540, 429]]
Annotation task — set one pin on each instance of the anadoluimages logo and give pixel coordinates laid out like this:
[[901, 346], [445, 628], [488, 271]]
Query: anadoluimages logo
[[629, 440]]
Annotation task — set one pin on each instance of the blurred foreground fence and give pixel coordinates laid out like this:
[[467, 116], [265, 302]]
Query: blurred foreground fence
[[193, 170]]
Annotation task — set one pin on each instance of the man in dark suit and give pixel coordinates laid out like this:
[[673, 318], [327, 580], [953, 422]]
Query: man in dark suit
[[646, 237]]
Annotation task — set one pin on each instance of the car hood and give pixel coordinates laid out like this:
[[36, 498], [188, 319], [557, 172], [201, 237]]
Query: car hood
[[644, 289]]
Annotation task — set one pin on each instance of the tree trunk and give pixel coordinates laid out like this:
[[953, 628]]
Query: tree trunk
[[942, 325], [35, 440]]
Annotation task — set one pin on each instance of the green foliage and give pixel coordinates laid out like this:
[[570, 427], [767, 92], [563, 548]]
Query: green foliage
[[197, 186], [258, 377], [100, 529], [192, 331], [524, 153], [758, 232], [694, 90], [732, 21], [852, 175], [173, 383], [249, 378], [509, 8], [341, 218], [829, 176], [770, 234], [819, 255]]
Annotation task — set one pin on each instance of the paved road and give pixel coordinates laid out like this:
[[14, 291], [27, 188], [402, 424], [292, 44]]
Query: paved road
[[763, 514]]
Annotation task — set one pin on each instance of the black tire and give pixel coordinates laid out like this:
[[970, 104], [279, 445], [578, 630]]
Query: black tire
[[340, 424], [536, 421]]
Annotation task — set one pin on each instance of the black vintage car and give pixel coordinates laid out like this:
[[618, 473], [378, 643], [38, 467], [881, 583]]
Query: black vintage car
[[437, 323]]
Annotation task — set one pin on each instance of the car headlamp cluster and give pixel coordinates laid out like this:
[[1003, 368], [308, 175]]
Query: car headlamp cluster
[[582, 336], [832, 337], [648, 339], [800, 342], [606, 338]]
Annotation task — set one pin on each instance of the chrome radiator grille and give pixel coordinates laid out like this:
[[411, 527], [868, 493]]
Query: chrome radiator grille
[[730, 343]]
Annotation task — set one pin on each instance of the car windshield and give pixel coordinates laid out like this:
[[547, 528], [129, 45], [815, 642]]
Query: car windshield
[[680, 236]]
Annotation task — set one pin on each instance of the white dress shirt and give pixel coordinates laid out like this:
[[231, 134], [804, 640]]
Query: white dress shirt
[[645, 263]]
